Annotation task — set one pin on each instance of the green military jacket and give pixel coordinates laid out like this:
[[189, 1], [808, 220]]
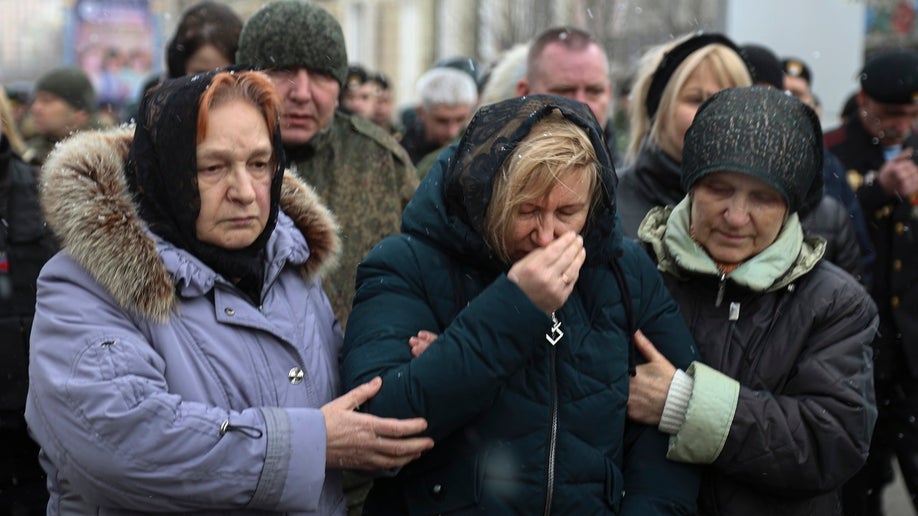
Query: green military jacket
[[366, 178]]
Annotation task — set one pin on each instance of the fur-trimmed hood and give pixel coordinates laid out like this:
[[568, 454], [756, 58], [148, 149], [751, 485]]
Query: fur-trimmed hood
[[87, 204]]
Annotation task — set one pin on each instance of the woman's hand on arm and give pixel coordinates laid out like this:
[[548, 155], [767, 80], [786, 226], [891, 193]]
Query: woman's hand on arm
[[650, 385], [420, 342], [547, 275], [362, 441]]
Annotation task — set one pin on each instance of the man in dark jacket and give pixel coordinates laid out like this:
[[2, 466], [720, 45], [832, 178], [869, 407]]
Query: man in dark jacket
[[25, 245], [877, 147]]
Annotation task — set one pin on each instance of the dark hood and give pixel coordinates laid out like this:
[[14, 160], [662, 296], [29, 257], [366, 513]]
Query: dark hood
[[449, 206]]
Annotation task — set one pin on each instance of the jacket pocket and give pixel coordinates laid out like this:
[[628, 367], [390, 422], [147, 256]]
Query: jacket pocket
[[451, 487], [614, 486]]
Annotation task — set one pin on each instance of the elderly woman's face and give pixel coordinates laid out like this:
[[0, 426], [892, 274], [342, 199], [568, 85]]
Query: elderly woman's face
[[735, 216], [564, 209], [235, 169]]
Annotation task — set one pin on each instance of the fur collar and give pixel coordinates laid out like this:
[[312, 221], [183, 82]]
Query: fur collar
[[87, 204]]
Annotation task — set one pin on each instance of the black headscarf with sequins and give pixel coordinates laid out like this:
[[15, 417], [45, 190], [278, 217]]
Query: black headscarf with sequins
[[762, 132], [492, 137], [161, 172]]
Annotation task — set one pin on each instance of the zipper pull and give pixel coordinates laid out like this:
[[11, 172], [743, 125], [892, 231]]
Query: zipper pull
[[721, 287], [555, 334]]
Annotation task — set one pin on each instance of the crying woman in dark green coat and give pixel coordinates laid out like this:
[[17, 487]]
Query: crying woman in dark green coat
[[511, 255]]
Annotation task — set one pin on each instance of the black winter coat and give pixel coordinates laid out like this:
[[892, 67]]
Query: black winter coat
[[25, 245], [800, 350]]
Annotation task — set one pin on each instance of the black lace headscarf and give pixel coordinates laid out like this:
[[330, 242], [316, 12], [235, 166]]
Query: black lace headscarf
[[161, 173], [494, 134]]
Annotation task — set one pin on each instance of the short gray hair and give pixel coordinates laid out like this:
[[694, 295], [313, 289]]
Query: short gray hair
[[448, 86]]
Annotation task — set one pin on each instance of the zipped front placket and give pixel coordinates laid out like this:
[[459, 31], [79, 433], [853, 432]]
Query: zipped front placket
[[721, 287], [552, 337]]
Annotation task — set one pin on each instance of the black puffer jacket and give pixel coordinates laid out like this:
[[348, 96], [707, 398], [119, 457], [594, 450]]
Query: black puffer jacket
[[799, 348]]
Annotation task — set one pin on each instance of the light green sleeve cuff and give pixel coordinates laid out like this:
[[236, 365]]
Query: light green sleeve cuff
[[708, 418]]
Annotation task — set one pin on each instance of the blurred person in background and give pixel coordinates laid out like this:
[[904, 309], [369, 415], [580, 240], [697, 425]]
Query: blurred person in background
[[206, 38], [447, 99], [673, 79], [569, 62], [797, 80], [822, 215], [500, 81], [25, 245], [358, 95], [878, 147], [19, 95], [497, 84], [64, 102], [384, 107]]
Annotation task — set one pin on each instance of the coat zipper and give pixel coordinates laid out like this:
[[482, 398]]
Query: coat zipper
[[553, 337], [553, 434], [721, 287]]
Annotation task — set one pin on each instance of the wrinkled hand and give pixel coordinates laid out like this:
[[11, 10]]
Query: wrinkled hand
[[362, 441], [548, 274], [649, 387], [421, 342], [899, 176]]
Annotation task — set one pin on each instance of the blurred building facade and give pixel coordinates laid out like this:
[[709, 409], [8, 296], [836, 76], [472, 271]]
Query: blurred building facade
[[403, 38]]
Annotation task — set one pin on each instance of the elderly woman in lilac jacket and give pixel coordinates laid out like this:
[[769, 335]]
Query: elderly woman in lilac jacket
[[184, 356]]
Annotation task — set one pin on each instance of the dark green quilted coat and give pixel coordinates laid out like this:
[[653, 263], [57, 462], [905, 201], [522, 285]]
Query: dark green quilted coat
[[521, 426]]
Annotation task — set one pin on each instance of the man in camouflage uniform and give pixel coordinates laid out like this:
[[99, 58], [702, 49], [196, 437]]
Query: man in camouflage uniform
[[878, 147], [363, 175]]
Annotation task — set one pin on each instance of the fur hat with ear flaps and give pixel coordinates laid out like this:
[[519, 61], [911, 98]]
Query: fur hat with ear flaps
[[761, 132]]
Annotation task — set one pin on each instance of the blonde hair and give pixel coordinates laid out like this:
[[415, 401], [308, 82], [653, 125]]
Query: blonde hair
[[554, 147], [507, 72], [729, 71], [9, 130]]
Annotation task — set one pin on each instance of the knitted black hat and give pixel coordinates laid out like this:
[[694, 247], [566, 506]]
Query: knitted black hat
[[891, 77], [674, 57], [294, 34], [758, 131], [764, 66], [70, 84]]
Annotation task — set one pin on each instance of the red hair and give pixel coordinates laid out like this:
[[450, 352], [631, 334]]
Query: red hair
[[251, 86]]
